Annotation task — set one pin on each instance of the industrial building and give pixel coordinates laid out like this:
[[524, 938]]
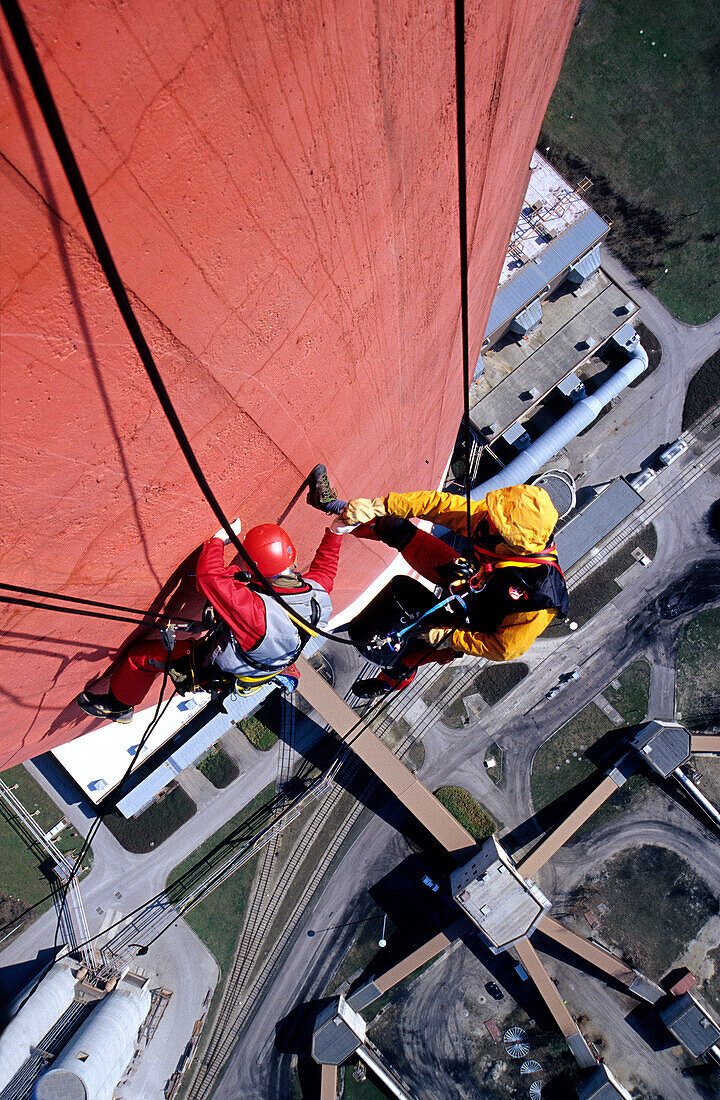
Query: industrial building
[[505, 906], [557, 238], [692, 1023]]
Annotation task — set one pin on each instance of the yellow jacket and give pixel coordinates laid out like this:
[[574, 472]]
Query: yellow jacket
[[525, 519]]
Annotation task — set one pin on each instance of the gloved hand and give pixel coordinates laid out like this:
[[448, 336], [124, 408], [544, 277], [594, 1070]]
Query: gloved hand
[[459, 569], [363, 510], [236, 526], [436, 634]]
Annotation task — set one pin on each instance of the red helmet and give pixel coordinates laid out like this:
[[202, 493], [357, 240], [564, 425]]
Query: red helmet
[[270, 548]]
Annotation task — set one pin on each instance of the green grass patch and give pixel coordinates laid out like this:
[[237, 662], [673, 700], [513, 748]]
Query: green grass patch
[[639, 114], [218, 919], [369, 1089], [631, 698], [491, 684], [600, 587], [439, 686], [219, 768], [468, 811], [154, 825], [24, 868], [495, 681], [653, 905], [561, 762], [258, 733], [703, 393], [262, 728], [698, 671]]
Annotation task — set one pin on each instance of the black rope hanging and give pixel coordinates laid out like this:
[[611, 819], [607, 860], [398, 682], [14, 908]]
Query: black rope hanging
[[462, 226]]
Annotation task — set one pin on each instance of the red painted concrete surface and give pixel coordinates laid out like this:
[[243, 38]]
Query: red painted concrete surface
[[278, 185]]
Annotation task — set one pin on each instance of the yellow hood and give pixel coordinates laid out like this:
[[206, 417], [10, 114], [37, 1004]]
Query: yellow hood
[[524, 516]]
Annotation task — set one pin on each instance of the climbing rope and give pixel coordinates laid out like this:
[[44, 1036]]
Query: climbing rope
[[44, 97], [462, 226]]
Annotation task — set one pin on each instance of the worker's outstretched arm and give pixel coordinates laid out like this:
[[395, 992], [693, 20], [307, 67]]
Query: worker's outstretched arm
[[241, 608], [324, 565], [444, 508], [512, 638]]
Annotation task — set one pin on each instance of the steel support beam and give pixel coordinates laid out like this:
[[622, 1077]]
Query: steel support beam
[[416, 798]]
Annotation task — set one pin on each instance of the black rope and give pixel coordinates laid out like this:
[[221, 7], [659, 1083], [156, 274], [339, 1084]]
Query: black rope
[[462, 222], [160, 616], [23, 601], [101, 814], [45, 101]]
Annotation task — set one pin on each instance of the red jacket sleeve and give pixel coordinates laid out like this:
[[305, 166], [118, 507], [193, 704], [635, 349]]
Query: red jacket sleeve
[[240, 607], [324, 565]]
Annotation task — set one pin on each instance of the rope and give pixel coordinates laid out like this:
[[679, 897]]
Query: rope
[[103, 813], [44, 97], [462, 225], [79, 599]]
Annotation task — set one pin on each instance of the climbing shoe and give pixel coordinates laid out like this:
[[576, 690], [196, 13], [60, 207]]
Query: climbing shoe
[[321, 494], [368, 689], [105, 706]]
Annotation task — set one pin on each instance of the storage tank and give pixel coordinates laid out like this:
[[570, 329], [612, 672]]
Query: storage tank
[[33, 1019], [94, 1060]]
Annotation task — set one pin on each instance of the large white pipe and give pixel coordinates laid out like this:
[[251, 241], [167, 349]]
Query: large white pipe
[[373, 1063], [697, 795], [521, 469]]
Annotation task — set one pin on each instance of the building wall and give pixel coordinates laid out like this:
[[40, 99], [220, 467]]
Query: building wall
[[278, 185]]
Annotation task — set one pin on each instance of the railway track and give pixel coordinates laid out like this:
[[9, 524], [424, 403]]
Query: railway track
[[674, 488], [245, 984]]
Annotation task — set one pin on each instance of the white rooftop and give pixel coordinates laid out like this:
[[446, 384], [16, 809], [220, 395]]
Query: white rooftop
[[551, 206], [98, 760], [504, 906]]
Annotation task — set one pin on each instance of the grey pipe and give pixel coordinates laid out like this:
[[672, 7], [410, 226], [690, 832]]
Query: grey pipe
[[521, 469], [697, 795]]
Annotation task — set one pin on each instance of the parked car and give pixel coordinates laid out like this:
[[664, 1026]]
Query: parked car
[[668, 456], [554, 691], [570, 677], [495, 991], [427, 881]]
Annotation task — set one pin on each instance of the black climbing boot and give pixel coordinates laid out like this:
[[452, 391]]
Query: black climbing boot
[[368, 689], [105, 706], [321, 494]]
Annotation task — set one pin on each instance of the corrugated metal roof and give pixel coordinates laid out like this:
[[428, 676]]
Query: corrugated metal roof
[[587, 265], [596, 521], [186, 754], [535, 275]]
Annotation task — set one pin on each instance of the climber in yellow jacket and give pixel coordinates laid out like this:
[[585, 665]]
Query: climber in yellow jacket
[[517, 586]]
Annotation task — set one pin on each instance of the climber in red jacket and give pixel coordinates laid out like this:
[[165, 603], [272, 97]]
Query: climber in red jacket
[[253, 640]]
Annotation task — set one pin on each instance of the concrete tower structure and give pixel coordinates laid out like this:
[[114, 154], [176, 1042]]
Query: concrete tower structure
[[278, 184]]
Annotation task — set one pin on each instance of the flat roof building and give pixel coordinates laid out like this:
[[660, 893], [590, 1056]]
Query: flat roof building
[[601, 516], [692, 1024], [339, 1031], [557, 236], [601, 1085], [504, 906], [665, 746]]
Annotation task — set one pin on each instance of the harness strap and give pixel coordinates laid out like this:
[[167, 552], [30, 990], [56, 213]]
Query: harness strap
[[499, 561]]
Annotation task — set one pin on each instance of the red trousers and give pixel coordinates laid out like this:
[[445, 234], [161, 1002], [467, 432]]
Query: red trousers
[[424, 553], [131, 682]]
